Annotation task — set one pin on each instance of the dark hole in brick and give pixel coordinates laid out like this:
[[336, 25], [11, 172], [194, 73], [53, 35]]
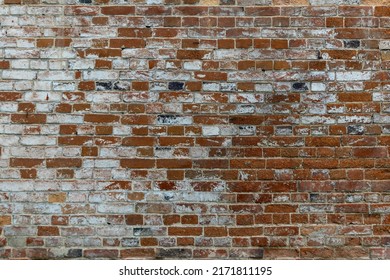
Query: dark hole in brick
[[352, 44], [300, 86], [314, 197], [168, 197], [356, 129], [166, 119], [75, 253], [121, 86], [319, 56], [226, 2], [85, 1], [103, 85], [174, 253], [163, 148], [175, 86], [142, 231]]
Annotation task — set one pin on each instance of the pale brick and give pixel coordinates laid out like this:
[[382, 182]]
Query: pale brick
[[19, 75]]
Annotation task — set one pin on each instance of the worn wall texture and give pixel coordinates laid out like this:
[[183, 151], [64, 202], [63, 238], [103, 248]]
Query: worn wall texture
[[195, 129]]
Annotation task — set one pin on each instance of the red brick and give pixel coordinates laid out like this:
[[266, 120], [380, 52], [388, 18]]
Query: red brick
[[137, 163], [28, 118], [48, 231], [184, 231], [118, 10], [63, 162]]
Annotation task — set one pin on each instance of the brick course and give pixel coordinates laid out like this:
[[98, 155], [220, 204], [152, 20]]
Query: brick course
[[195, 129]]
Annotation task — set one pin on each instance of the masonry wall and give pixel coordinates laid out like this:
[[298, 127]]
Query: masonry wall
[[195, 129]]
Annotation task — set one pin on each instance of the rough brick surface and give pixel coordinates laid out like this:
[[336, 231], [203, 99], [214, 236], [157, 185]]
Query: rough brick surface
[[195, 129]]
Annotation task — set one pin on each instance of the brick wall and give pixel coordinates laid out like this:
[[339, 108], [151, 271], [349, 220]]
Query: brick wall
[[195, 129]]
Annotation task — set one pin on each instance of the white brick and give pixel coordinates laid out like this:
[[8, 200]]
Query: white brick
[[42, 85], [38, 64], [58, 53], [318, 87], [355, 86], [23, 85], [47, 10], [6, 85], [70, 86], [28, 20], [16, 186], [57, 64], [9, 140], [174, 120], [9, 21], [193, 65], [334, 2], [230, 54], [317, 120], [263, 87], [4, 10], [55, 76], [139, 53], [384, 45], [38, 140], [120, 64], [81, 64], [172, 76], [17, 10], [210, 130], [100, 75], [211, 86], [20, 64], [116, 208], [385, 119], [38, 152], [19, 75], [8, 107], [245, 109], [98, 97], [379, 96], [65, 119], [353, 76], [354, 119], [106, 163], [45, 107], [50, 129], [41, 96]]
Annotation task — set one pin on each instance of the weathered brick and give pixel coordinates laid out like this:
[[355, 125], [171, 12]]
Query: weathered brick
[[195, 129]]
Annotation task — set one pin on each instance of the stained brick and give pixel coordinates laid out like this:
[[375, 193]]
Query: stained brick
[[197, 129]]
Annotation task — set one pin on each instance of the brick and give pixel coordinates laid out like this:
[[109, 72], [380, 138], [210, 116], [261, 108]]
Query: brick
[[138, 141], [377, 152], [48, 231], [28, 118], [381, 11], [4, 64], [26, 162], [98, 118], [127, 43], [192, 54], [118, 10], [185, 231], [137, 163], [198, 129], [101, 253], [5, 220], [63, 162]]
